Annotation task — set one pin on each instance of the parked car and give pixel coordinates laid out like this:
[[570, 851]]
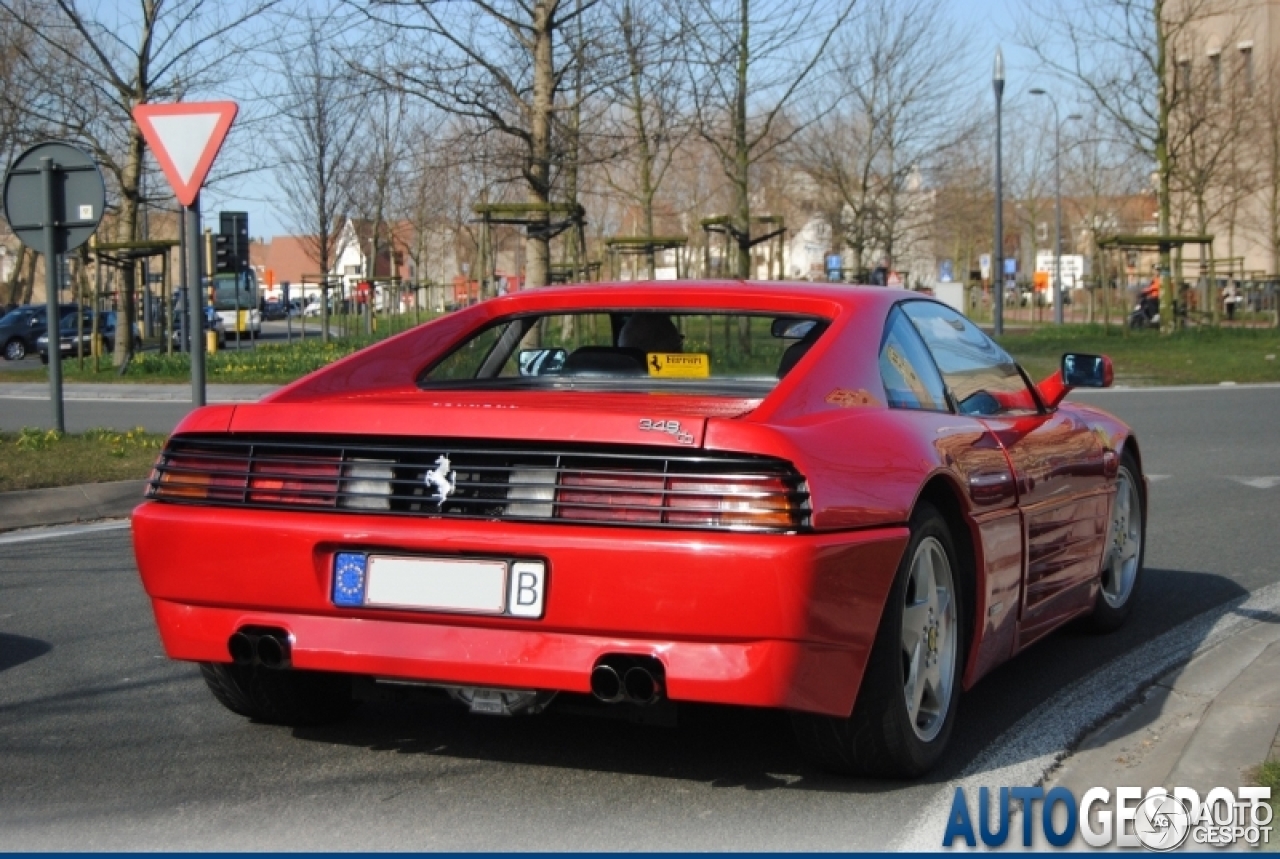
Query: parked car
[[212, 322], [21, 327], [272, 310], [600, 490], [71, 332]]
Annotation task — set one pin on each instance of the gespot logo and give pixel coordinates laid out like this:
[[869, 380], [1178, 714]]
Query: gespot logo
[[1160, 820]]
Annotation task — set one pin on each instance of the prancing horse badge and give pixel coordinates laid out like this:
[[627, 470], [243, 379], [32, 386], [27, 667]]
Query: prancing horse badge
[[441, 480]]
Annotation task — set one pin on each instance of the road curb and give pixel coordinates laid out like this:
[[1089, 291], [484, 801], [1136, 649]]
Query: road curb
[[65, 504]]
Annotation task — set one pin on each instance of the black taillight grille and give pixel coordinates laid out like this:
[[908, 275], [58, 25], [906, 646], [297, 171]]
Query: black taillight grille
[[599, 485]]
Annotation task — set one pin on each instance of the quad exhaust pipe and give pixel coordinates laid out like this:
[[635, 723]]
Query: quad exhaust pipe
[[606, 685], [261, 645], [631, 679]]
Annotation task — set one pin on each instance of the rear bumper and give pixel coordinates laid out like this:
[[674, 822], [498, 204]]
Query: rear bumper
[[760, 620]]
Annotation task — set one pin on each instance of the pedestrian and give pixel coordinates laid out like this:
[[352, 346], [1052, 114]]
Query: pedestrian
[[1230, 298]]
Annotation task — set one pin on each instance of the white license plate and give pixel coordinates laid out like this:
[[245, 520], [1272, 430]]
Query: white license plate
[[452, 585]]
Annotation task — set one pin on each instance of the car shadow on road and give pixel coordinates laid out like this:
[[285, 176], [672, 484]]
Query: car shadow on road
[[17, 649], [754, 749], [723, 747]]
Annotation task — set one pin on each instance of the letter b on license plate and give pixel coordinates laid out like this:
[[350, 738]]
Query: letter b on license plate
[[525, 586]]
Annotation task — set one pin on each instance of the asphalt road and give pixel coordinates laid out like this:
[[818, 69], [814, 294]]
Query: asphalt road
[[83, 414], [107, 745]]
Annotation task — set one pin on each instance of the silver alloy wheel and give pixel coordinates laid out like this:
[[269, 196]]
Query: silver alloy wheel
[[15, 350], [1124, 542], [929, 639]]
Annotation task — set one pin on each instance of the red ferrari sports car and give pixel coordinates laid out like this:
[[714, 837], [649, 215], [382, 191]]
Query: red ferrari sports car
[[848, 503]]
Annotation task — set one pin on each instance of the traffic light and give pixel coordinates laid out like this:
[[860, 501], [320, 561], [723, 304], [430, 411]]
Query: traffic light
[[224, 258], [235, 226]]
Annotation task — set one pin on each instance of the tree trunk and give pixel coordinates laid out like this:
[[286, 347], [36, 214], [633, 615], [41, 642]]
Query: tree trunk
[[1164, 168], [13, 289], [742, 152], [29, 279], [537, 243], [128, 232]]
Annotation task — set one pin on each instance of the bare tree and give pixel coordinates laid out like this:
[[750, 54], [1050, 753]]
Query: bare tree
[[113, 60], [897, 120], [1123, 54], [1100, 181], [322, 110], [1029, 179], [647, 125], [963, 203], [378, 171], [1210, 128], [752, 68], [1264, 156], [434, 200], [501, 63], [27, 74]]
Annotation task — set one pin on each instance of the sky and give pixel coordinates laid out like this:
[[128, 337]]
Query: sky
[[990, 22]]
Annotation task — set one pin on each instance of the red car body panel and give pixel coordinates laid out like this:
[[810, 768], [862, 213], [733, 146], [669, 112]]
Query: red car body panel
[[766, 620], [777, 620]]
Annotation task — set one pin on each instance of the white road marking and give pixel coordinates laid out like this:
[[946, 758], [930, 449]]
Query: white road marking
[[1258, 482], [1026, 752], [28, 535]]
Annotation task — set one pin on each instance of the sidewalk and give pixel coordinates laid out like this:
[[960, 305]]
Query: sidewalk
[[1207, 724], [67, 504], [62, 505]]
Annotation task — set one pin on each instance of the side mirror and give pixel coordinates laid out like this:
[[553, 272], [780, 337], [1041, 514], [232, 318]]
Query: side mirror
[[542, 362], [1076, 371], [790, 328], [1087, 371]]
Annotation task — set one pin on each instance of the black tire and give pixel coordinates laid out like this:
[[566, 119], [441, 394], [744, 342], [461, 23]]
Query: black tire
[[280, 697], [15, 350], [879, 738], [44, 358], [1119, 585]]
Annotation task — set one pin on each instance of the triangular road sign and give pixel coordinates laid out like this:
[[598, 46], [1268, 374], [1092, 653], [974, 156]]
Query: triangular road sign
[[185, 138]]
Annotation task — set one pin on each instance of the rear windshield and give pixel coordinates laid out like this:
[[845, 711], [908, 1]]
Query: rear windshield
[[706, 352]]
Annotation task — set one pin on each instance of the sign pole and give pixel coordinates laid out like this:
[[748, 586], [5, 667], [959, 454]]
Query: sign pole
[[185, 138], [195, 302], [53, 327]]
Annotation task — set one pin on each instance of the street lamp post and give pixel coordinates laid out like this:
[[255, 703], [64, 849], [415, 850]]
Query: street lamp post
[[997, 258], [1057, 191]]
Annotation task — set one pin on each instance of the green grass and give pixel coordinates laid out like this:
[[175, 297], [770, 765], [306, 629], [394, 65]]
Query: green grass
[[36, 458], [256, 364], [1201, 356], [1268, 775]]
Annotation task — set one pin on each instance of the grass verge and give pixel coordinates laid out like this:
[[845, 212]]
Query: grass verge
[[1200, 356], [1268, 775], [37, 459], [1197, 357]]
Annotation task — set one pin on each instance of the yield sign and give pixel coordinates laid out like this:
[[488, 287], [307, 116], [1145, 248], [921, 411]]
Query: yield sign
[[185, 138]]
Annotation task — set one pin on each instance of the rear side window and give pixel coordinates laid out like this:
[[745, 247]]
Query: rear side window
[[982, 377], [911, 380]]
